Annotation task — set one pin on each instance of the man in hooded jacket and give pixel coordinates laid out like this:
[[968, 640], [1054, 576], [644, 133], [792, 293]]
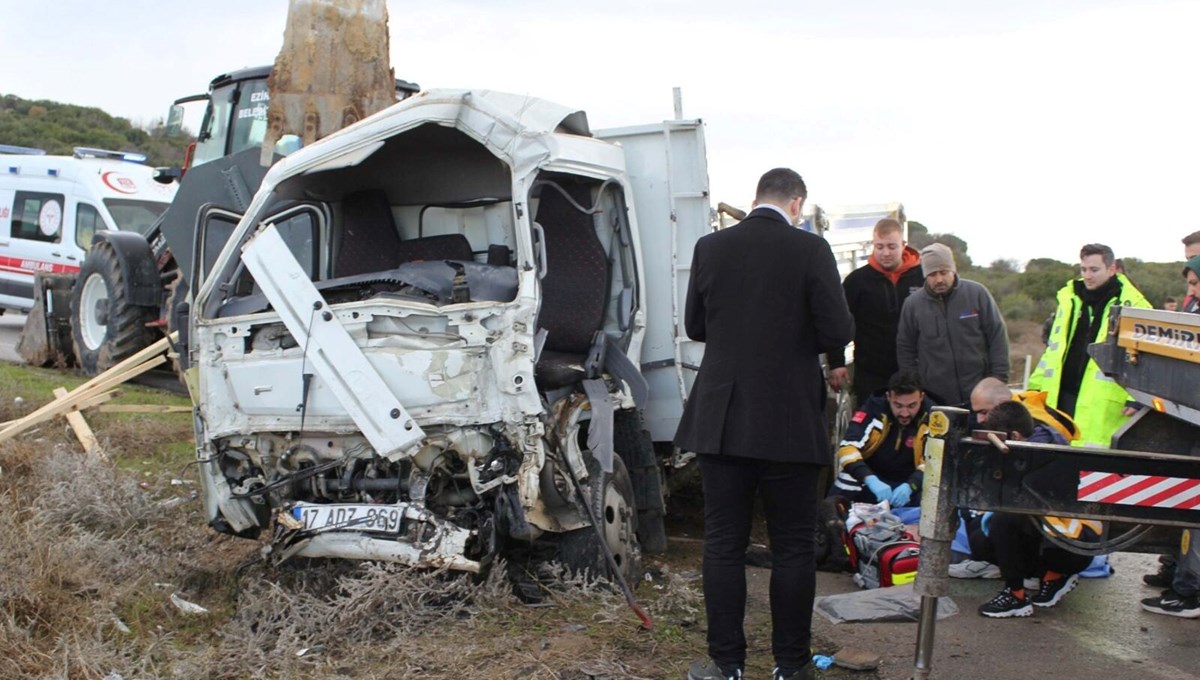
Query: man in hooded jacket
[[876, 293], [1071, 379]]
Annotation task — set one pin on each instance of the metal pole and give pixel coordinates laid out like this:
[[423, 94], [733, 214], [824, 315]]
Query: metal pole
[[677, 92], [923, 662], [937, 531]]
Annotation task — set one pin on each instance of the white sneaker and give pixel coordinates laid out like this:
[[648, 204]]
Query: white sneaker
[[974, 569]]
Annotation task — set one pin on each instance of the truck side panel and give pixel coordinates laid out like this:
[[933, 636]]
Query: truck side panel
[[668, 174]]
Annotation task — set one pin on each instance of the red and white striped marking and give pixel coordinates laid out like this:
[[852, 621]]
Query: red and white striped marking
[[1143, 490]]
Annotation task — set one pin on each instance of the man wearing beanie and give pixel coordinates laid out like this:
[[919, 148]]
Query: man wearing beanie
[[951, 331]]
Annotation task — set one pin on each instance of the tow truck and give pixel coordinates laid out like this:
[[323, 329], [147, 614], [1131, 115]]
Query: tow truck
[[1145, 487]]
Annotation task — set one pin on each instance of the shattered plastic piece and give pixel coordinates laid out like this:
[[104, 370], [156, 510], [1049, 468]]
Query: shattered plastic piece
[[121, 625], [311, 651], [114, 676], [185, 606], [822, 662], [897, 603]]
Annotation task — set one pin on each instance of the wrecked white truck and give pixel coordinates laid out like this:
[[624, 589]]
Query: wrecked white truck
[[451, 326]]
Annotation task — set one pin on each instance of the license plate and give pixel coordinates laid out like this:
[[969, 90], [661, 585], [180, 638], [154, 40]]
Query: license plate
[[378, 518]]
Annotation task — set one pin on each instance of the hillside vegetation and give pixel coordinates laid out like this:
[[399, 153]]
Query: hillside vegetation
[[59, 128], [1029, 294]]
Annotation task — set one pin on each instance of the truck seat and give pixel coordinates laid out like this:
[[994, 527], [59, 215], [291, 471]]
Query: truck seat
[[575, 289], [439, 247], [369, 238]]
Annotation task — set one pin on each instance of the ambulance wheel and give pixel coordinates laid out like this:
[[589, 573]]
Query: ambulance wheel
[[106, 327], [612, 501]]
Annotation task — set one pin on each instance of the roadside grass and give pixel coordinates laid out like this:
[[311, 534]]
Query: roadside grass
[[93, 551]]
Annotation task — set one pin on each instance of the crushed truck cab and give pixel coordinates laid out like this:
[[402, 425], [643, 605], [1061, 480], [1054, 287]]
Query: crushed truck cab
[[424, 338]]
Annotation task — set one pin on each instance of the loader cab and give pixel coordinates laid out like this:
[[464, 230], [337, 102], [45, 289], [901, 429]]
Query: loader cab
[[235, 116]]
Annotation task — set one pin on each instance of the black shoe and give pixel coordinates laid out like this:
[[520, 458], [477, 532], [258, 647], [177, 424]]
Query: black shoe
[[710, 670], [1163, 578], [1051, 591], [1172, 603], [806, 673], [1006, 605]]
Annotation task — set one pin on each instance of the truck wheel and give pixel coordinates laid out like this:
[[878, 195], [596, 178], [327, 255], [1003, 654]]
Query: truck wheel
[[632, 443], [612, 501], [105, 326]]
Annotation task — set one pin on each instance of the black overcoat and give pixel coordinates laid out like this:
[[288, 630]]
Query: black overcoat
[[767, 301]]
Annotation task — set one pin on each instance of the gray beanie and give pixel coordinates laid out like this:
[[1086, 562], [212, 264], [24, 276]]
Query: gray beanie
[[936, 257]]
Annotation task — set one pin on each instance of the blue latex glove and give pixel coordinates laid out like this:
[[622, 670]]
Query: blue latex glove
[[984, 521], [901, 495], [881, 490]]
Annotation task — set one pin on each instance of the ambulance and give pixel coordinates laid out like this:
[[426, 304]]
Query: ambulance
[[52, 206]]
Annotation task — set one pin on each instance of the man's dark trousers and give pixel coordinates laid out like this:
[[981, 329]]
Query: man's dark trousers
[[789, 498]]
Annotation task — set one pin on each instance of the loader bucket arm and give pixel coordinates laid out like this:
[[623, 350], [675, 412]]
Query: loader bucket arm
[[332, 71]]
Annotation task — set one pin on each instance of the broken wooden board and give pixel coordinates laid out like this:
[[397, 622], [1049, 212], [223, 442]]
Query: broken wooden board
[[83, 432]]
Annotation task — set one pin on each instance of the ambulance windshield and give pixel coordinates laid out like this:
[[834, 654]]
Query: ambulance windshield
[[136, 216]]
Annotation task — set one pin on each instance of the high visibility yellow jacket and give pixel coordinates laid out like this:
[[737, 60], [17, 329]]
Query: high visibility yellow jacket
[[1035, 402], [1101, 400]]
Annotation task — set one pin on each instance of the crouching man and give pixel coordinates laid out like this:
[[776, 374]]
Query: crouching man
[[1016, 544], [881, 456]]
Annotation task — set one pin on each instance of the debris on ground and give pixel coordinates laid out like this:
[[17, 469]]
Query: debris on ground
[[185, 606]]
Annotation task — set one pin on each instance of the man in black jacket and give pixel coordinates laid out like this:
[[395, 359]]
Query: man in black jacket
[[876, 292], [766, 299]]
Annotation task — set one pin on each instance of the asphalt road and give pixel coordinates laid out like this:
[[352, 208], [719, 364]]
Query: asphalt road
[[10, 330], [1098, 632]]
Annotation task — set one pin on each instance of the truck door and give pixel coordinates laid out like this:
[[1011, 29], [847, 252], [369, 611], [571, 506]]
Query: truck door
[[668, 173]]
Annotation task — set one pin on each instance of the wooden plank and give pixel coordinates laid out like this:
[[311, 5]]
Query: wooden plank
[[77, 405], [114, 376], [144, 408], [82, 431]]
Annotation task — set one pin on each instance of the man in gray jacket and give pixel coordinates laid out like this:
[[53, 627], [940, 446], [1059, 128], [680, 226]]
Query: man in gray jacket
[[951, 331]]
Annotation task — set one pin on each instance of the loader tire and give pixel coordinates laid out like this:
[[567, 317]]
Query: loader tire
[[177, 296], [106, 327]]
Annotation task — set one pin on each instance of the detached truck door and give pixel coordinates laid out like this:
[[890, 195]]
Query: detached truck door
[[668, 174]]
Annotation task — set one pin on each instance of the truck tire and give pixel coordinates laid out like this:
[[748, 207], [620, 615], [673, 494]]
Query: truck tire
[[106, 327], [612, 502], [631, 441]]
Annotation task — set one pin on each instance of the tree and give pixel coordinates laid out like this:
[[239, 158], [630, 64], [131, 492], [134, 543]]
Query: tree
[[59, 128]]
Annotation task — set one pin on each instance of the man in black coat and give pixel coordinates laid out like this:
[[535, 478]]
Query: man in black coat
[[766, 299], [876, 293]]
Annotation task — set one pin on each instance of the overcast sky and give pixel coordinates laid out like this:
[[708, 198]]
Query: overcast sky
[[1026, 127]]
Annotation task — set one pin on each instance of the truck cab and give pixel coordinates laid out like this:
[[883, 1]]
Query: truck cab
[[444, 329], [51, 207]]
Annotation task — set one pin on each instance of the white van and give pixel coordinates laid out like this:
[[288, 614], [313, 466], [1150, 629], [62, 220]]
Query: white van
[[52, 206]]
